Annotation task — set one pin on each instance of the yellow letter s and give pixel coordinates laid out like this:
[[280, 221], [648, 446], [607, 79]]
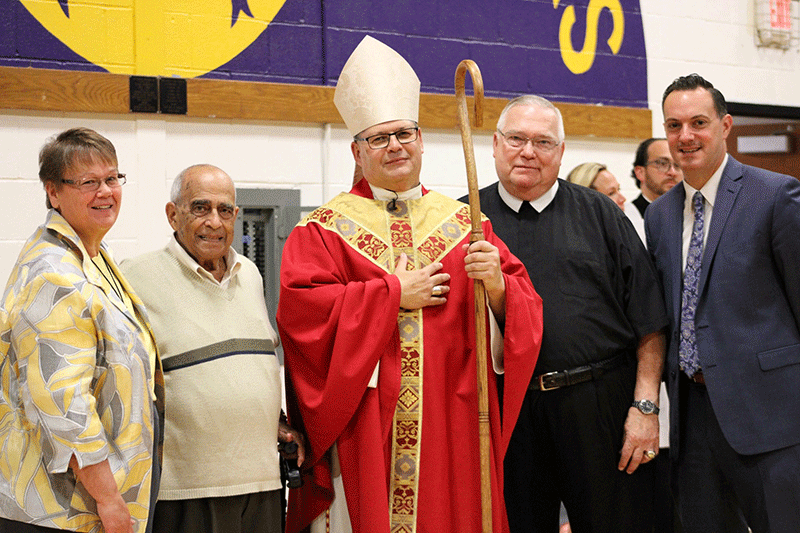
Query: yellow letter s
[[580, 62]]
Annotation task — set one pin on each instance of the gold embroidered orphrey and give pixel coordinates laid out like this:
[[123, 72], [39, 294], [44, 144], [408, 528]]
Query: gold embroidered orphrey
[[425, 229]]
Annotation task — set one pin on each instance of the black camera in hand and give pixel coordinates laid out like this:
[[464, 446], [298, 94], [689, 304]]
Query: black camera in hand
[[289, 469]]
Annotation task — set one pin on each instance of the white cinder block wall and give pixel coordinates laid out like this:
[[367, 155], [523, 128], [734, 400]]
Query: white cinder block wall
[[715, 39]]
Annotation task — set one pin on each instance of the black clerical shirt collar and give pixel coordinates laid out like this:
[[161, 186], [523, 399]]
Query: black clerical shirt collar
[[538, 204]]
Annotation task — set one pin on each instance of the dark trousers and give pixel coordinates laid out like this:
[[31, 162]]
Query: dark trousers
[[565, 447], [158, 432], [12, 526], [721, 491], [247, 513], [665, 514]]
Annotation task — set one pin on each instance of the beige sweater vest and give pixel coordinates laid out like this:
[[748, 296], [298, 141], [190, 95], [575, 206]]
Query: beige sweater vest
[[221, 425]]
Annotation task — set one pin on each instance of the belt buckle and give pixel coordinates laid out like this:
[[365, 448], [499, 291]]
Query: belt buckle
[[541, 381]]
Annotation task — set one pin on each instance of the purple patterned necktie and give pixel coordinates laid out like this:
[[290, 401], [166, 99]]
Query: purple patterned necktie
[[687, 351]]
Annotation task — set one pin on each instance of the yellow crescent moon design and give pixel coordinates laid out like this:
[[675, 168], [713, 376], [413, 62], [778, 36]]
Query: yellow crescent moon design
[[186, 38]]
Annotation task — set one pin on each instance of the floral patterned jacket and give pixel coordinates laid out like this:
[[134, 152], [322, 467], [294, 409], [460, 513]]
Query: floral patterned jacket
[[74, 380]]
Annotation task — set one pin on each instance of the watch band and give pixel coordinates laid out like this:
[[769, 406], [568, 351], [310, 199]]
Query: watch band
[[646, 407]]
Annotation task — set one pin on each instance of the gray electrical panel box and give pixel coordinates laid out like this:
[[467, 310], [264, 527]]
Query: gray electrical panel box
[[266, 217]]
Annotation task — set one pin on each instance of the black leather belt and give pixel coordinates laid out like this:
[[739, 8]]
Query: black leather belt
[[581, 374]]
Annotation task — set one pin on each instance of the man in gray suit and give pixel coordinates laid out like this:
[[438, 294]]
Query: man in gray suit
[[726, 245]]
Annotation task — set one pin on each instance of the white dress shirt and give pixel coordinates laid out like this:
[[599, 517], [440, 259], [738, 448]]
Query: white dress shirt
[[709, 191]]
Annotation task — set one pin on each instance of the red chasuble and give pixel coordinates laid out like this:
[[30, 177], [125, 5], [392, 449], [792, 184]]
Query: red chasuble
[[409, 447]]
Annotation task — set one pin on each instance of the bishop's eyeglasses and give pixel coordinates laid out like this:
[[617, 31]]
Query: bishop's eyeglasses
[[381, 140]]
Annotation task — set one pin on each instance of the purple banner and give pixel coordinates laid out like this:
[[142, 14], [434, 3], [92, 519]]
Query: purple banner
[[582, 51]]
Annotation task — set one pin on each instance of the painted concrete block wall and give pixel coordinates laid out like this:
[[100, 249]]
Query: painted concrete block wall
[[315, 160], [681, 36], [716, 40]]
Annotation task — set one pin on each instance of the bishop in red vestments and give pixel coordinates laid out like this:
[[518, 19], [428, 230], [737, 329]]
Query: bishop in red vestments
[[377, 320]]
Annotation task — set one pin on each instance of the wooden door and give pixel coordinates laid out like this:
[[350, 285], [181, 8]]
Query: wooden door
[[784, 163]]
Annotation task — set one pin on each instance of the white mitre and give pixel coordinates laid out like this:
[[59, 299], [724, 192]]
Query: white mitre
[[376, 85]]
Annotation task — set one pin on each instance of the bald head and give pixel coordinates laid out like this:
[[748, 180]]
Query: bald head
[[180, 180], [203, 212]]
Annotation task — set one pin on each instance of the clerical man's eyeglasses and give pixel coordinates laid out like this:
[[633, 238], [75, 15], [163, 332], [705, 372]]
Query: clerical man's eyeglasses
[[543, 145]]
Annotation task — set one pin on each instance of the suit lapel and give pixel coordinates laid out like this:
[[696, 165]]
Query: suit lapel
[[728, 190], [673, 233]]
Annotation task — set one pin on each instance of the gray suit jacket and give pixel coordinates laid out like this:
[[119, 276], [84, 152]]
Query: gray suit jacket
[[748, 312]]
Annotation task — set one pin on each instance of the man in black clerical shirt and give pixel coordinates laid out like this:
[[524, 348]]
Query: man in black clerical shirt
[[589, 423]]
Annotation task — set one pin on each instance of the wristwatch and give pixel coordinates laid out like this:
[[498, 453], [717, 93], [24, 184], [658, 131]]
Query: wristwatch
[[646, 407]]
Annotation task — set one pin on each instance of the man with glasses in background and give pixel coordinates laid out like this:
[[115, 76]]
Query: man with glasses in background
[[376, 317], [589, 423], [221, 470], [655, 173]]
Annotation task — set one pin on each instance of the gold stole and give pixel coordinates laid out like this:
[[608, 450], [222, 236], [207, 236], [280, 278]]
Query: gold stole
[[425, 230]]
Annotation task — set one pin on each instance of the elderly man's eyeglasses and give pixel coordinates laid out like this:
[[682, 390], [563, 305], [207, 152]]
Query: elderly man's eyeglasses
[[663, 165], [92, 185], [543, 145], [381, 140], [203, 209]]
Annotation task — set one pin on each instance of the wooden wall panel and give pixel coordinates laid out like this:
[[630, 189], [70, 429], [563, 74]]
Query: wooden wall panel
[[97, 92], [63, 90]]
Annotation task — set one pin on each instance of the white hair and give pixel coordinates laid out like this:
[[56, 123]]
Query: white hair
[[533, 101]]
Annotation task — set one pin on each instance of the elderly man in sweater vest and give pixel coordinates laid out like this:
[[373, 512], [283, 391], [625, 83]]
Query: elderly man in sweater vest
[[223, 390]]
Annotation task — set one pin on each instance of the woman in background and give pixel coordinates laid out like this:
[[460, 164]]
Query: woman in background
[[596, 176], [78, 364]]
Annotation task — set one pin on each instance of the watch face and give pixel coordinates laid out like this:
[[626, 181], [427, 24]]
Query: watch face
[[646, 406]]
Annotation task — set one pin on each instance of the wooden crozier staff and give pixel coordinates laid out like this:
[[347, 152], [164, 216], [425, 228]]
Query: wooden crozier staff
[[480, 298]]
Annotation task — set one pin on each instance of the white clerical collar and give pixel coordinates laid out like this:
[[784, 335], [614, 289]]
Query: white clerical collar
[[386, 195], [709, 189], [538, 204], [232, 261]]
